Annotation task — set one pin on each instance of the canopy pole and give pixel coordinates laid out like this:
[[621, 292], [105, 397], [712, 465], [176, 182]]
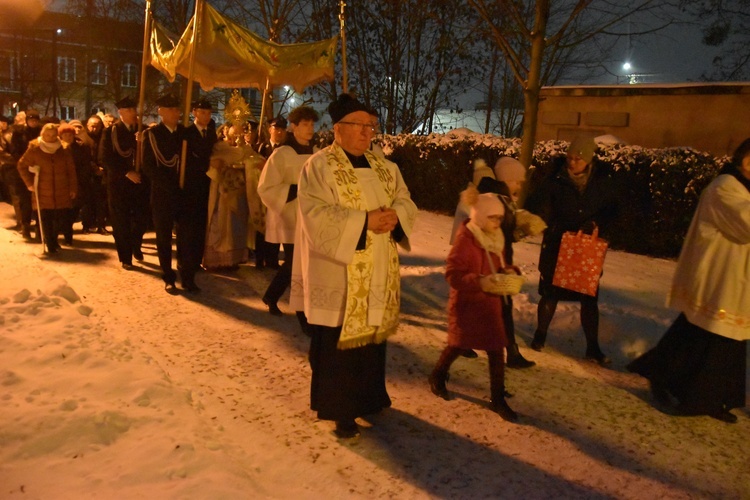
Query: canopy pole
[[189, 92], [344, 75], [263, 107], [142, 90]]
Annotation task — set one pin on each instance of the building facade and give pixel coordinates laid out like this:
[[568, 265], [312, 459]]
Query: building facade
[[703, 116], [70, 67]]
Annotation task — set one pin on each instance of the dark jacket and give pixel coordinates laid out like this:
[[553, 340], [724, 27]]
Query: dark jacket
[[199, 148], [118, 154], [559, 203], [161, 159], [84, 169], [20, 138]]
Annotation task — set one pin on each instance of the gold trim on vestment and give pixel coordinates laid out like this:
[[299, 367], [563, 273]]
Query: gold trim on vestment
[[356, 330]]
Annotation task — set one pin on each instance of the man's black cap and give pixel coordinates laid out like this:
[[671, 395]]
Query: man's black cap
[[125, 102], [201, 103], [168, 101], [279, 122]]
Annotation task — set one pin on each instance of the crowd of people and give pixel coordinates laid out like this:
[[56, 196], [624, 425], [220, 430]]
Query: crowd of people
[[58, 174], [342, 211]]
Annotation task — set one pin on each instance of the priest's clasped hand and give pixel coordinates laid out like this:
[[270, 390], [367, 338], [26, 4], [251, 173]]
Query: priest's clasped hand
[[382, 220]]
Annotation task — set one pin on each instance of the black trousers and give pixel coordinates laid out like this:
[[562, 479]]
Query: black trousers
[[24, 202], [128, 213], [164, 212], [192, 219], [266, 254], [53, 223], [283, 277]]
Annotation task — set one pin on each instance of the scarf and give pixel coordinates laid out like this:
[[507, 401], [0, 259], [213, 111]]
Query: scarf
[[373, 281], [492, 242], [580, 180], [49, 147]]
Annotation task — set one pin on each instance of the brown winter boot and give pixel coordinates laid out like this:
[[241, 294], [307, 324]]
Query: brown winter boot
[[497, 387], [439, 374]]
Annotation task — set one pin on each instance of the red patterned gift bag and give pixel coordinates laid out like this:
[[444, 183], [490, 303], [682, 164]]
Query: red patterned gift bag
[[580, 262]]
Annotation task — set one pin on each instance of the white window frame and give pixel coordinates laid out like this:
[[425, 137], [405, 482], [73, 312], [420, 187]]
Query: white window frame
[[66, 69], [67, 112], [129, 75], [98, 72]]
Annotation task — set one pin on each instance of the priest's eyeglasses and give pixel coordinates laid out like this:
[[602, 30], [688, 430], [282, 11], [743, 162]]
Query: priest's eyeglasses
[[363, 126]]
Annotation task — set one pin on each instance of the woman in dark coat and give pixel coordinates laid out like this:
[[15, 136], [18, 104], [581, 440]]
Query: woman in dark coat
[[84, 175], [475, 318], [578, 196]]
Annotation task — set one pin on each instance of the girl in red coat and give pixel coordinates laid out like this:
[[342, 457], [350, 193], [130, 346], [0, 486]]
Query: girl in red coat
[[474, 314]]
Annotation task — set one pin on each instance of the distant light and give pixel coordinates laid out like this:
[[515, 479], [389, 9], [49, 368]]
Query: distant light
[[626, 66], [59, 31], [286, 88]]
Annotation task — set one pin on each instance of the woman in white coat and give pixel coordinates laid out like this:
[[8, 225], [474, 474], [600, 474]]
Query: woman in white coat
[[699, 365]]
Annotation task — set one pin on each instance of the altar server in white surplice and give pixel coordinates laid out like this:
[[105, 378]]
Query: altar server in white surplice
[[354, 208]]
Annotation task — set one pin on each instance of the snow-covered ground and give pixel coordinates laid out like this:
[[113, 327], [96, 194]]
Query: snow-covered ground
[[111, 388]]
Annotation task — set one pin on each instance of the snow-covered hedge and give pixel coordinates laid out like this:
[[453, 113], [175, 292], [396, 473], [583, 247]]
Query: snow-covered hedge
[[661, 186]]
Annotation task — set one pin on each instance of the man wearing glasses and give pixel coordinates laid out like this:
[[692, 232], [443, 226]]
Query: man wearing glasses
[[354, 208]]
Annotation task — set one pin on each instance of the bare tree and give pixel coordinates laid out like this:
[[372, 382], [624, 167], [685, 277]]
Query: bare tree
[[540, 39], [726, 24], [409, 58]]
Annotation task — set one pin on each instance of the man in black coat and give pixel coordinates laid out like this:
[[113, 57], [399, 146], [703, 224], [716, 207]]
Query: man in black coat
[[277, 132], [127, 191], [162, 146], [192, 216], [19, 143]]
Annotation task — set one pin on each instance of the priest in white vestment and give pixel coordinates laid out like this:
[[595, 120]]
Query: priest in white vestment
[[354, 208]]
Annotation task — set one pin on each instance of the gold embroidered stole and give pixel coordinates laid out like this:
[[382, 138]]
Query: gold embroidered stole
[[357, 329]]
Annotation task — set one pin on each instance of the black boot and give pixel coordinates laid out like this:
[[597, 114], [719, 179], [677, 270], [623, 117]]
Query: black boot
[[439, 374], [516, 360], [497, 387], [538, 341], [501, 408], [590, 325]]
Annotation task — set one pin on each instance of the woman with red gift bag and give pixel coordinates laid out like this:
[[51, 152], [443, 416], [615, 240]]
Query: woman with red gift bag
[[577, 196]]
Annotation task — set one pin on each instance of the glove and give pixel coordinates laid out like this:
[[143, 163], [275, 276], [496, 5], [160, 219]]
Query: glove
[[528, 224], [588, 227]]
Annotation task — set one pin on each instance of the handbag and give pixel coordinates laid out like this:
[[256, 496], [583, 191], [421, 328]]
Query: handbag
[[580, 262]]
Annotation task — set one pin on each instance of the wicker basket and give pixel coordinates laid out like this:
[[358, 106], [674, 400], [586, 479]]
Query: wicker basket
[[506, 284], [502, 283]]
